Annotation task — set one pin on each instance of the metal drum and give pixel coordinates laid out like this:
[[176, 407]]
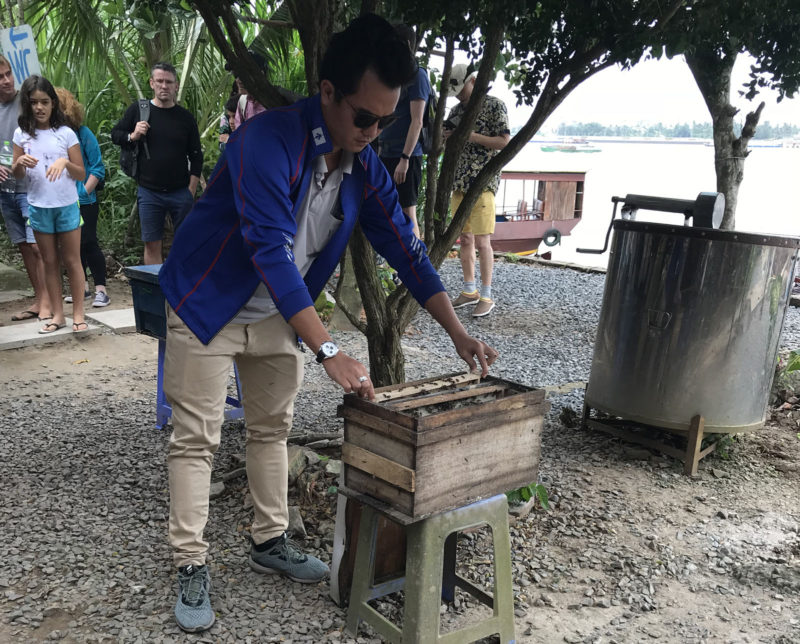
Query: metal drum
[[690, 325]]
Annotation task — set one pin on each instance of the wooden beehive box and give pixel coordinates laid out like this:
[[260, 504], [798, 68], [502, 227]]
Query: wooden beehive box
[[431, 445]]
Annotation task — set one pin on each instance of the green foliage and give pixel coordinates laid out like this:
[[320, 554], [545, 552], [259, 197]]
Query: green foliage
[[793, 362], [323, 306], [767, 31], [723, 445], [527, 492], [511, 258], [102, 50], [387, 276]]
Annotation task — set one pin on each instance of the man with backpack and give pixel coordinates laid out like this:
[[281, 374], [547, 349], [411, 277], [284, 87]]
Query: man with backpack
[[164, 140], [400, 148]]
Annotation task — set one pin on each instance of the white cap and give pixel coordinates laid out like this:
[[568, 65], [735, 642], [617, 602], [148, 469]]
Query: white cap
[[459, 76]]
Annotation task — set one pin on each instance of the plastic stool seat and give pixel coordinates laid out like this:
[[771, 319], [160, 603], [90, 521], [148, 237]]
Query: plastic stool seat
[[431, 575], [164, 409]]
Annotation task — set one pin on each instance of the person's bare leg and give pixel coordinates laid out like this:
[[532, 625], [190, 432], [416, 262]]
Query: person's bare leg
[[467, 256], [152, 252], [32, 259], [486, 258], [70, 244], [52, 275], [411, 213]]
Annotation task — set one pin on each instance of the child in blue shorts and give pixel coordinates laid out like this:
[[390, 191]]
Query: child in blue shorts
[[49, 154]]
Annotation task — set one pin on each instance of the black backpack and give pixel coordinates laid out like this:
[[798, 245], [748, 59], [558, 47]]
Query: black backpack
[[129, 155], [428, 120]]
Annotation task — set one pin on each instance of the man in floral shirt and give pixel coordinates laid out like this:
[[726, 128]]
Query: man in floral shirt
[[490, 135]]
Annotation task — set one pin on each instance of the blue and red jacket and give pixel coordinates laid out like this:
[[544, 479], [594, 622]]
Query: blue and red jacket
[[241, 231]]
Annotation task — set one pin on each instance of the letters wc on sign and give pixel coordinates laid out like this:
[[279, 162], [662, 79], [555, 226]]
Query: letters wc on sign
[[19, 48]]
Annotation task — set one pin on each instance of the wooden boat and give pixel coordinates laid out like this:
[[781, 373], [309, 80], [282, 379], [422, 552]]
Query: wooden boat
[[532, 206]]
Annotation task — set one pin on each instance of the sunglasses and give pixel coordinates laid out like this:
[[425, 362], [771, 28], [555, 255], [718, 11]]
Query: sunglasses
[[364, 119]]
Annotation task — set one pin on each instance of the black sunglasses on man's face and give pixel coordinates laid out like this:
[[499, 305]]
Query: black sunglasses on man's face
[[364, 119]]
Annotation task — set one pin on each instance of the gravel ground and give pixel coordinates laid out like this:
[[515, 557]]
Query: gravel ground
[[630, 550]]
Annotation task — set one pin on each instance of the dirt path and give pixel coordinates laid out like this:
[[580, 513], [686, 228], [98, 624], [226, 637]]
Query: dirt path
[[631, 550]]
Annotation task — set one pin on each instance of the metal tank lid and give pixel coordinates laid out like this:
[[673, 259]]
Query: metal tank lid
[[708, 233]]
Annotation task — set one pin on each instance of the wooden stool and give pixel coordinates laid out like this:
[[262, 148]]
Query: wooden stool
[[431, 574]]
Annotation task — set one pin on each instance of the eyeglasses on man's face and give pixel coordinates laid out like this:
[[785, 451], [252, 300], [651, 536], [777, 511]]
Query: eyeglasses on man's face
[[364, 119]]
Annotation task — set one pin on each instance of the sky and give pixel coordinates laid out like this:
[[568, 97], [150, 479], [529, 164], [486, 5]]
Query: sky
[[651, 92]]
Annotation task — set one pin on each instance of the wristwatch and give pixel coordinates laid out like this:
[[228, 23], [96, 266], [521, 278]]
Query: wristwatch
[[326, 350], [403, 155]]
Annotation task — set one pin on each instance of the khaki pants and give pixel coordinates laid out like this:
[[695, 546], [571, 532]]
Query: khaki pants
[[195, 383]]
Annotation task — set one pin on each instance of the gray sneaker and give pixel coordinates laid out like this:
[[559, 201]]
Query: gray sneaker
[[285, 558], [101, 299], [193, 608]]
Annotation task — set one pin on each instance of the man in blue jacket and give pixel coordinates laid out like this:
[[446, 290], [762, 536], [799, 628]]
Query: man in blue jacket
[[242, 277]]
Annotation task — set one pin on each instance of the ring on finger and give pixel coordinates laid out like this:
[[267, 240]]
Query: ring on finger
[[363, 378]]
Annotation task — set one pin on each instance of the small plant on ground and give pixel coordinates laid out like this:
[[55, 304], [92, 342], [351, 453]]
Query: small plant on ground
[[793, 362], [527, 492], [724, 445]]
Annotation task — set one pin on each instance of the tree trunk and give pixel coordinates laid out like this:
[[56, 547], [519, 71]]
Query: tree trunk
[[314, 20], [387, 364], [712, 73], [346, 315], [11, 22], [435, 222], [386, 361]]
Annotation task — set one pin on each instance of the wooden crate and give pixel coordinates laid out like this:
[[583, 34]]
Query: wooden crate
[[431, 445]]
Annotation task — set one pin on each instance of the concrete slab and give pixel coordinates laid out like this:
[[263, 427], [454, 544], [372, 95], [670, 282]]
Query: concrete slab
[[12, 279], [18, 294], [118, 320], [25, 335]]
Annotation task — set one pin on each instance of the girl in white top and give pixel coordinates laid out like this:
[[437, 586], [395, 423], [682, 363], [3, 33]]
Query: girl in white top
[[48, 152]]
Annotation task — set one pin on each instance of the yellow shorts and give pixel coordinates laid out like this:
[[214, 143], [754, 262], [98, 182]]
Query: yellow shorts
[[481, 219]]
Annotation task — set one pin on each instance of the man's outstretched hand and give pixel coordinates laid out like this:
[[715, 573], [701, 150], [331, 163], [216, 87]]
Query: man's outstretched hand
[[470, 348], [350, 374]]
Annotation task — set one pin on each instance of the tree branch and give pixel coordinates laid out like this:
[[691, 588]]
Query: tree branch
[[281, 24], [235, 52], [353, 317]]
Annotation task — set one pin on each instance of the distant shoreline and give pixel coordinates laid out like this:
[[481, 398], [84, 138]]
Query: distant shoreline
[[780, 143]]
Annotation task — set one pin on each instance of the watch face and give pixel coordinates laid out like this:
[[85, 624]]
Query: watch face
[[327, 350]]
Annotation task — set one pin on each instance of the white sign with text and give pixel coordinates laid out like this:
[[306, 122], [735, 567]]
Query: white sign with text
[[19, 48]]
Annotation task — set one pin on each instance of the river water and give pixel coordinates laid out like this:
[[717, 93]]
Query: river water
[[767, 203]]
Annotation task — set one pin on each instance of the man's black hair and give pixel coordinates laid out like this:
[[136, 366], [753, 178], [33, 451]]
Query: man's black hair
[[407, 34], [232, 104], [369, 42], [165, 67]]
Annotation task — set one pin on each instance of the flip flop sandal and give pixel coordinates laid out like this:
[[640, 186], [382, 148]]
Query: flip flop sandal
[[52, 327], [80, 327], [25, 315]]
